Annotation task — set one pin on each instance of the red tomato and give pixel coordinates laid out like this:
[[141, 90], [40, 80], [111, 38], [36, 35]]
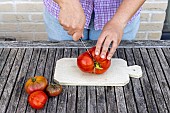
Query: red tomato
[[86, 63], [54, 89], [37, 99], [36, 83]]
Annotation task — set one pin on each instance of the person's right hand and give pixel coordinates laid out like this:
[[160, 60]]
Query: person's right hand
[[72, 17]]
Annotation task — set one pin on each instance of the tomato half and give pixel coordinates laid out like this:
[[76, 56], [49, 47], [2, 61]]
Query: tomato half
[[36, 83], [37, 99], [97, 65]]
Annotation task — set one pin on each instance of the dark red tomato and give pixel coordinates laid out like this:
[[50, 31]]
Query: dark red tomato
[[54, 89], [87, 64], [37, 99], [36, 83]]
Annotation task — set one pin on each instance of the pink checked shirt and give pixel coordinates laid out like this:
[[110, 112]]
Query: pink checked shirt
[[104, 10]]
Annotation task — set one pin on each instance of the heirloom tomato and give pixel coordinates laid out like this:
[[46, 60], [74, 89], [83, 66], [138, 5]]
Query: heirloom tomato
[[37, 99], [53, 89], [36, 83], [92, 63]]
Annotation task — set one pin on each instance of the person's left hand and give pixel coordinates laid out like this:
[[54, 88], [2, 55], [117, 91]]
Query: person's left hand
[[111, 33]]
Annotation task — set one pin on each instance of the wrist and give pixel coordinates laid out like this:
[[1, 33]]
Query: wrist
[[119, 21], [63, 2]]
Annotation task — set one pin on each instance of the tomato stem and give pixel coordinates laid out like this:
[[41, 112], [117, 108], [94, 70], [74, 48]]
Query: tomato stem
[[57, 82], [55, 85], [33, 79], [97, 65]]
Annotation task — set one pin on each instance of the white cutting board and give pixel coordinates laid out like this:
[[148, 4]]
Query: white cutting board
[[68, 73]]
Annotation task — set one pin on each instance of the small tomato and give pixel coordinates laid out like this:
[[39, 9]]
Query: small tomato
[[54, 89], [37, 99], [36, 83]]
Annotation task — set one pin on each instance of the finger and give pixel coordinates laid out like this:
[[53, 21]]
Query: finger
[[70, 32], [62, 23], [77, 36], [99, 43], [112, 50], [106, 45], [66, 29]]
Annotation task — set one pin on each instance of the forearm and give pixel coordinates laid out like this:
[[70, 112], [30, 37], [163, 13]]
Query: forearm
[[126, 10]]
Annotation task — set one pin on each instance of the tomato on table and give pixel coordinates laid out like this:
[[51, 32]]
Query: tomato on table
[[36, 83], [54, 89], [37, 99]]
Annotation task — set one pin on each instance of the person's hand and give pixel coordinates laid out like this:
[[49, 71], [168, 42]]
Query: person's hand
[[111, 34], [72, 17]]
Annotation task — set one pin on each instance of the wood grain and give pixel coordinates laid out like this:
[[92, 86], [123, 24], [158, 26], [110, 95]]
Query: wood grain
[[154, 82], [12, 107], [22, 106], [128, 91], [8, 88], [120, 97], [136, 86], [146, 85], [78, 44], [21, 60]]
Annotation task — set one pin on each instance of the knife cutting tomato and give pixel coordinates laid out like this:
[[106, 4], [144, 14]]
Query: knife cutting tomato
[[94, 64]]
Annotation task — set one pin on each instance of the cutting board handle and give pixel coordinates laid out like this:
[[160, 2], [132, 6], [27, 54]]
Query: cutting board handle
[[135, 71]]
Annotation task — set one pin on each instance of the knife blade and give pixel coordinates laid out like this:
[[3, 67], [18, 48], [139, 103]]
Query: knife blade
[[81, 40]]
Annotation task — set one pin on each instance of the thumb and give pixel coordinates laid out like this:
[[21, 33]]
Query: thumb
[[77, 36]]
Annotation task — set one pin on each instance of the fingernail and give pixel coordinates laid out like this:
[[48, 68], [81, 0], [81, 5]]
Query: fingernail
[[103, 56], [108, 58], [97, 53]]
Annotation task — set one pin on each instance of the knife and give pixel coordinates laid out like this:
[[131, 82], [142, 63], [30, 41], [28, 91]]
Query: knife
[[81, 40]]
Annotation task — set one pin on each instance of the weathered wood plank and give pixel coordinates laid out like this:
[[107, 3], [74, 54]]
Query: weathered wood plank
[[128, 90], [111, 98], [19, 82], [120, 97], [7, 92], [166, 52], [160, 75], [42, 67], [49, 72], [136, 86], [41, 62], [3, 58], [40, 71], [154, 82], [22, 106], [90, 43], [72, 91], [91, 99], [1, 49], [6, 70], [81, 95], [62, 98], [148, 94], [81, 99], [164, 58], [101, 99]]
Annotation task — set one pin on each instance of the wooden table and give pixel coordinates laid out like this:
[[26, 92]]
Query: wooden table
[[22, 60]]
